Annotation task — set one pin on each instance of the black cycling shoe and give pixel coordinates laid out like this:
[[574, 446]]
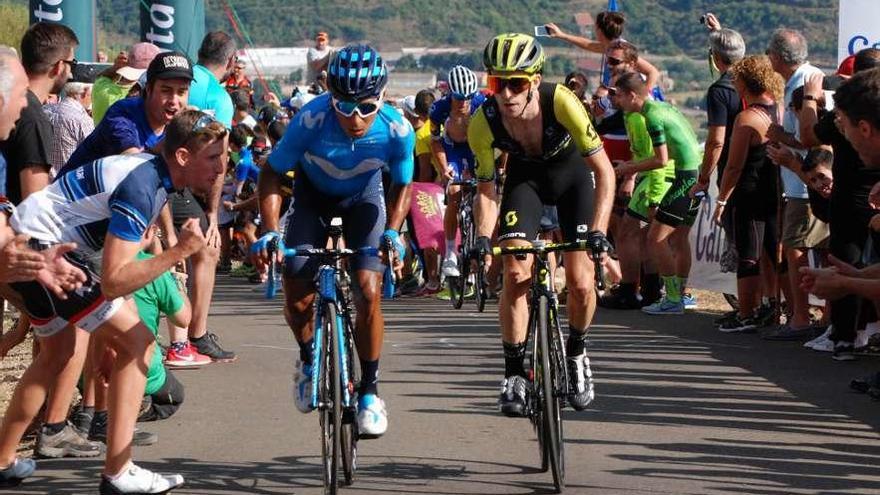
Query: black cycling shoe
[[512, 401], [209, 346]]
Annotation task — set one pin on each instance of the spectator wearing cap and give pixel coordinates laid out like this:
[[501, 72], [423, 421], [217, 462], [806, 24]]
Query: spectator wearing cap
[[216, 62], [801, 230], [70, 121], [318, 57], [114, 83], [133, 125]]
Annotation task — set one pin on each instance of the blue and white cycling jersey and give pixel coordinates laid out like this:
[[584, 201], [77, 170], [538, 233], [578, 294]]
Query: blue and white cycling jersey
[[121, 195], [336, 164], [441, 109]]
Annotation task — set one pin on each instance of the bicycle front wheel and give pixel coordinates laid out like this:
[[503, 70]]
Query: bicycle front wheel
[[331, 403], [349, 433], [458, 285], [551, 417], [480, 289]]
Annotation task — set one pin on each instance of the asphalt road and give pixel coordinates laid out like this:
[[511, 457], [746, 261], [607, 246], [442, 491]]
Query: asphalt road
[[680, 409]]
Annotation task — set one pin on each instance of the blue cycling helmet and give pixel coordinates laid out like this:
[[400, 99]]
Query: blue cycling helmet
[[357, 72]]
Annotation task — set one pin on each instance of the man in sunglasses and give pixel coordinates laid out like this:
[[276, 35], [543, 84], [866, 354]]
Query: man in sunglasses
[[450, 117], [105, 206], [555, 158], [338, 144]]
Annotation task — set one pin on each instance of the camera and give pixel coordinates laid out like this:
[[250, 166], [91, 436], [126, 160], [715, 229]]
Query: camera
[[703, 19]]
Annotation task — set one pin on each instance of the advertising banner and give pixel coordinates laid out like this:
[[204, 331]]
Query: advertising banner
[[78, 15], [174, 24], [858, 28]]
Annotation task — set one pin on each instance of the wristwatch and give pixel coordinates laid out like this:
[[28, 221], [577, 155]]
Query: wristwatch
[[811, 98]]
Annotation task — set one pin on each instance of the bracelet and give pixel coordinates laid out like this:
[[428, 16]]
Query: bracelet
[[720, 202]]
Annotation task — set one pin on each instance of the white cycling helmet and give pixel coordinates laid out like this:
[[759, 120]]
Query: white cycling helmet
[[462, 81]]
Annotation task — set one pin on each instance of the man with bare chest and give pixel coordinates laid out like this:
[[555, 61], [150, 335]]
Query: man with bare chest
[[450, 117], [555, 157]]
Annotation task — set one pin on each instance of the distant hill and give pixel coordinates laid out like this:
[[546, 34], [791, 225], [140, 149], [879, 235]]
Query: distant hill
[[665, 27]]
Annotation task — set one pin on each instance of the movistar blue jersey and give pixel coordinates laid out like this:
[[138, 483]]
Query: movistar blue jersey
[[441, 108], [336, 164]]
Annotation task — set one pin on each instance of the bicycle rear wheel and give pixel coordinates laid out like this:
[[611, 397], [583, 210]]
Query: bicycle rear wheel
[[551, 417], [331, 403]]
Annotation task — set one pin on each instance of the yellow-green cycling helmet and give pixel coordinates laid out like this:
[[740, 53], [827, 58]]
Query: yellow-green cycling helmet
[[514, 52]]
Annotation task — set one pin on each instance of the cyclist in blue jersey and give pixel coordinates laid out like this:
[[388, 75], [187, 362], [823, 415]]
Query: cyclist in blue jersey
[[338, 145], [454, 160]]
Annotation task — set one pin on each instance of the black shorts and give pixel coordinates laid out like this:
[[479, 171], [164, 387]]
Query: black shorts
[[363, 223], [678, 207], [185, 206], [85, 308], [564, 182], [753, 232], [165, 401]]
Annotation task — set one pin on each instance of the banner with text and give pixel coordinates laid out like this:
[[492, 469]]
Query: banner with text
[[174, 24], [858, 27], [707, 245], [78, 15]]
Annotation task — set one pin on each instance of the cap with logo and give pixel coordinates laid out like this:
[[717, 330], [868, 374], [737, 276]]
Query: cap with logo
[[139, 58], [170, 65]]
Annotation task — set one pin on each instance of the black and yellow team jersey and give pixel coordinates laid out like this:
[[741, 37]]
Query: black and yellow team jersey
[[565, 122]]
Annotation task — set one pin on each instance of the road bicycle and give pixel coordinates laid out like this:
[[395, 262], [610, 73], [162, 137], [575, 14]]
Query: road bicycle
[[468, 262]]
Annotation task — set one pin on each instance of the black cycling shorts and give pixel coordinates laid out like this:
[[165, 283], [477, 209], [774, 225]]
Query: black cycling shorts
[[564, 182], [678, 207], [363, 223], [85, 308], [754, 234]]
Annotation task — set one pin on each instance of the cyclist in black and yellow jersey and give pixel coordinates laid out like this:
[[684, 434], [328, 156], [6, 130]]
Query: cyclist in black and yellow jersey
[[555, 158]]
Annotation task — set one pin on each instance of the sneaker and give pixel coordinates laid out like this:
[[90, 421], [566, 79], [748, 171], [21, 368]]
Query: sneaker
[[82, 420], [789, 333], [664, 307], [449, 268], [372, 418], [725, 317], [765, 316], [209, 345], [620, 300], [66, 443], [444, 294], [824, 345], [98, 432], [427, 290], [20, 469], [862, 385], [821, 340], [188, 357], [512, 401], [843, 351], [581, 382], [689, 300], [302, 387], [738, 324], [138, 480]]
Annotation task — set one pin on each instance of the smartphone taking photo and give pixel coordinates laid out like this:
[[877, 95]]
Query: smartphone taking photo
[[541, 31]]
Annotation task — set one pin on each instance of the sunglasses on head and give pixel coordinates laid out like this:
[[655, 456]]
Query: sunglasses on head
[[203, 123], [613, 62], [349, 108], [516, 84]]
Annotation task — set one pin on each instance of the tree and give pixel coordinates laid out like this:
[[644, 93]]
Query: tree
[[15, 23]]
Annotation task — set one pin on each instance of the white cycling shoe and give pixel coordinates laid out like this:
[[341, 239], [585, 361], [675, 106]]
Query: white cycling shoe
[[372, 418]]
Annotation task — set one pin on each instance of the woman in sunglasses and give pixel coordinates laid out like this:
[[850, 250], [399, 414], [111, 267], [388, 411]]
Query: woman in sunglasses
[[338, 145], [555, 157], [450, 117]]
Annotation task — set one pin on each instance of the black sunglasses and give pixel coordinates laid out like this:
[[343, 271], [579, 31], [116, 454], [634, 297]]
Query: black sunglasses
[[72, 63], [614, 62]]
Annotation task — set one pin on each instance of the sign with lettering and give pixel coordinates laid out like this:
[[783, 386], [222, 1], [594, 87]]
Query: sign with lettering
[[858, 27], [78, 15], [174, 24], [708, 243]]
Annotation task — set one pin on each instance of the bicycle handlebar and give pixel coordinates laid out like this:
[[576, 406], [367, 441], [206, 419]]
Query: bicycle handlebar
[[537, 248]]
